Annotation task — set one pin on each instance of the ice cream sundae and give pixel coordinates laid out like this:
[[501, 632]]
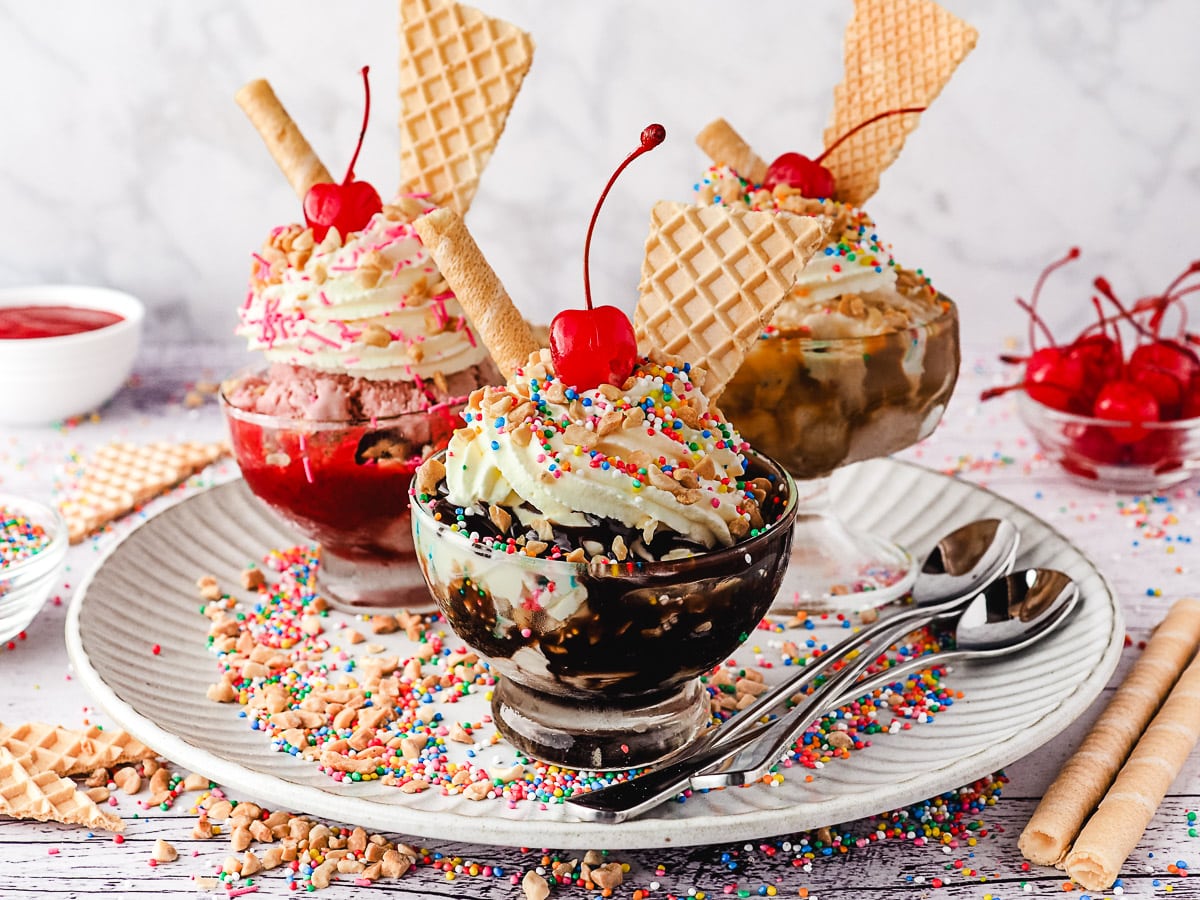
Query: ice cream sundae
[[597, 528], [369, 355], [860, 359]]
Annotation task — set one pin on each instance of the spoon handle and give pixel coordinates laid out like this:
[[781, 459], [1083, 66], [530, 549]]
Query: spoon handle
[[911, 619], [750, 764], [631, 798]]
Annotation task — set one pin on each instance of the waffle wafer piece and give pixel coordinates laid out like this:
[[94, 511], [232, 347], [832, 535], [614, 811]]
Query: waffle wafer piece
[[899, 53], [120, 477], [48, 797], [712, 278], [65, 751], [460, 72]]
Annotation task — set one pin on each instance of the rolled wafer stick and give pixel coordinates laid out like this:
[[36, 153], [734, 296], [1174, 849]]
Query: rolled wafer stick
[[499, 323], [1089, 772], [725, 146], [1117, 825], [288, 147]]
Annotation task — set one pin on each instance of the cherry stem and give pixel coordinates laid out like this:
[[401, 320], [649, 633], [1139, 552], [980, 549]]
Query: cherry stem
[[861, 125], [652, 136], [1071, 254], [1106, 291], [362, 131], [1034, 318]]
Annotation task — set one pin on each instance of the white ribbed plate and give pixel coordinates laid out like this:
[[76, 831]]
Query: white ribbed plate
[[144, 593]]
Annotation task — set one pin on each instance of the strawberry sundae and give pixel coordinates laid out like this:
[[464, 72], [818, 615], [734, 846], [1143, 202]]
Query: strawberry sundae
[[369, 355]]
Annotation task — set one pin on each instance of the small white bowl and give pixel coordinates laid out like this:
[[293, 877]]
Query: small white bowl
[[53, 378], [25, 584]]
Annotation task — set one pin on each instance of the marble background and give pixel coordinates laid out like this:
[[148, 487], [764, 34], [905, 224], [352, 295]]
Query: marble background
[[124, 160]]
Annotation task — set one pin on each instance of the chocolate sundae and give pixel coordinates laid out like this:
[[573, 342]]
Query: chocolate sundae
[[597, 528]]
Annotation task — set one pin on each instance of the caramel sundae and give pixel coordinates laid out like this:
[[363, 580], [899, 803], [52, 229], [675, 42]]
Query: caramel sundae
[[860, 359]]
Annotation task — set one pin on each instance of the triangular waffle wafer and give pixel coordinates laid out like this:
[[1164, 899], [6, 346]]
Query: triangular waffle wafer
[[65, 751], [47, 797], [899, 53], [713, 276], [120, 477], [460, 72]]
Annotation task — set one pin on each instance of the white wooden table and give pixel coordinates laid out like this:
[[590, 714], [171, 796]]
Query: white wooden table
[[1143, 545]]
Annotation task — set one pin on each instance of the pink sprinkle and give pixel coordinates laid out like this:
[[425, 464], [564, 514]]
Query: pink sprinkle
[[716, 503], [53, 851], [324, 340], [237, 892]]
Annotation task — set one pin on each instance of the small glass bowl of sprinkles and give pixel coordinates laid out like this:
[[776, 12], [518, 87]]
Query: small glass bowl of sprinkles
[[33, 542]]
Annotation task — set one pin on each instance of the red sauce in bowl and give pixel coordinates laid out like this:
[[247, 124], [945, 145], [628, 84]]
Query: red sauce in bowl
[[23, 322]]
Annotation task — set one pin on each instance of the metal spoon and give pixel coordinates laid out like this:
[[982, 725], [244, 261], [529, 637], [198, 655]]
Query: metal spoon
[[962, 561], [1036, 601], [1006, 616]]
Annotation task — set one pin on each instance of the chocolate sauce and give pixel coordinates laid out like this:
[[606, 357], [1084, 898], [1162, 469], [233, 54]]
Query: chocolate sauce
[[644, 628]]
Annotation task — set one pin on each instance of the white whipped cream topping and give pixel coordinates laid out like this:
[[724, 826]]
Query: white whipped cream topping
[[608, 452], [374, 306]]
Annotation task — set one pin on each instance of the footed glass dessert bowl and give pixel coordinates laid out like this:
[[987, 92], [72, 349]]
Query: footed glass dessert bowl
[[600, 661], [816, 405], [344, 485]]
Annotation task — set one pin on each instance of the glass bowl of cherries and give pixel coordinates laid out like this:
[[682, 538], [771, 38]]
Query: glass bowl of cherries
[[1119, 406]]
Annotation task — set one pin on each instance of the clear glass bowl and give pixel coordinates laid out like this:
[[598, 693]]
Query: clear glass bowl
[[344, 485], [1120, 456], [816, 405], [25, 584], [600, 664]]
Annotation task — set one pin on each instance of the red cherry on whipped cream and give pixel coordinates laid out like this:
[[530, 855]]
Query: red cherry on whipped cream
[[595, 346], [347, 206], [808, 176]]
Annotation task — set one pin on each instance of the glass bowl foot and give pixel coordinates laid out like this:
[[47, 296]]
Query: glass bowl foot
[[583, 733]]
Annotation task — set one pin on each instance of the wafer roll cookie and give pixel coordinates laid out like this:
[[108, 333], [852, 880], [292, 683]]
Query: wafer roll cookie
[[499, 324], [725, 146], [288, 147], [1089, 772], [1115, 828]]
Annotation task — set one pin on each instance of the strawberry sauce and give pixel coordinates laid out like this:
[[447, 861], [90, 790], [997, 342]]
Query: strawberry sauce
[[28, 322]]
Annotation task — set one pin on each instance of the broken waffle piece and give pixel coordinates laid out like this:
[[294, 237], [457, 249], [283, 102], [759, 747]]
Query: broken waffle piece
[[65, 751], [120, 477], [47, 797]]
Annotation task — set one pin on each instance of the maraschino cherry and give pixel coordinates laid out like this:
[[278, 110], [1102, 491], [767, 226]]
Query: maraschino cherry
[[595, 346], [808, 176], [347, 206]]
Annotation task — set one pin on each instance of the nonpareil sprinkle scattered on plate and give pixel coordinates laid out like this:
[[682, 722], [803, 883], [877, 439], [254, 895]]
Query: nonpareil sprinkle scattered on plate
[[394, 713]]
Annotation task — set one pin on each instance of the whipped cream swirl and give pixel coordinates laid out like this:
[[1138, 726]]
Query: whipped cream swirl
[[854, 263], [650, 453], [372, 305]]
